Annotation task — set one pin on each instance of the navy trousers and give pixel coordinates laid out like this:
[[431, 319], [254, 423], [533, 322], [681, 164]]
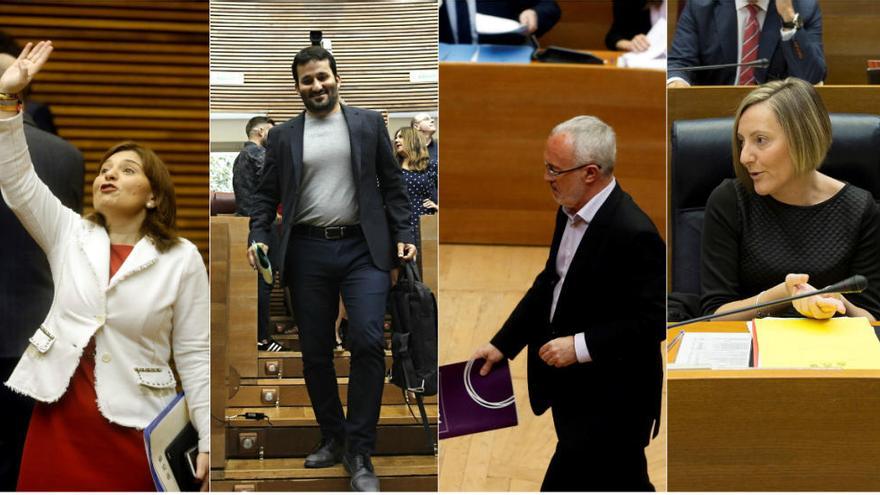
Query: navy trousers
[[318, 270]]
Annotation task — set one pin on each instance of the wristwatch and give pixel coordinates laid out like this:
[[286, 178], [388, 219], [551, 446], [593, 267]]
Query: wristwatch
[[796, 22]]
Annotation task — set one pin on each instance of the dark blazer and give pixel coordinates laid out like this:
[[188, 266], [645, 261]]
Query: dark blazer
[[382, 202], [706, 35], [631, 17], [614, 292], [26, 286], [548, 15]]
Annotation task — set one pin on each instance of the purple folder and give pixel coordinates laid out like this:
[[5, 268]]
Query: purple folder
[[470, 403]]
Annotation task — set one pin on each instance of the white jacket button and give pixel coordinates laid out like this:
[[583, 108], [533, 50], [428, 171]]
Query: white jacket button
[[105, 357]]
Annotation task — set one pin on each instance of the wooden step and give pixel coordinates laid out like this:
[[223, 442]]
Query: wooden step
[[389, 484], [288, 364], [288, 468], [271, 442], [305, 416], [291, 340], [292, 392], [293, 432]]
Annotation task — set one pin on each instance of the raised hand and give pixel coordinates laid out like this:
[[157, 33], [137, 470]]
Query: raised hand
[[819, 307], [25, 67]]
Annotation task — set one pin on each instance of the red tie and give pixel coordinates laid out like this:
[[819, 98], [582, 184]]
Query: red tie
[[749, 46]]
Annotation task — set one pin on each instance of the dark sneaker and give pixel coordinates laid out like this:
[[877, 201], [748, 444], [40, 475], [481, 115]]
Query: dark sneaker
[[363, 477], [270, 345], [326, 454]]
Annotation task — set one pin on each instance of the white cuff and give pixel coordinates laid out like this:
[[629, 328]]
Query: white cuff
[[580, 348], [677, 79], [787, 34]]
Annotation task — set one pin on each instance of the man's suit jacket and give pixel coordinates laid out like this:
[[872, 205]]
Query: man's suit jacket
[[381, 194], [631, 17], [614, 292], [25, 280], [548, 15], [706, 34]]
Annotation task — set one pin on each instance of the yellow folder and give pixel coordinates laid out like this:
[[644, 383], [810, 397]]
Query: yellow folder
[[848, 343]]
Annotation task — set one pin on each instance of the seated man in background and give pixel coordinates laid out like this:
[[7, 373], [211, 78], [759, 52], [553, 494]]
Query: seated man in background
[[788, 33], [456, 19]]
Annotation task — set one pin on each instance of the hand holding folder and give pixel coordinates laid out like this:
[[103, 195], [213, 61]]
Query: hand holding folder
[[471, 403]]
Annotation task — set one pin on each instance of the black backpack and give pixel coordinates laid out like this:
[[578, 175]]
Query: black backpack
[[414, 340]]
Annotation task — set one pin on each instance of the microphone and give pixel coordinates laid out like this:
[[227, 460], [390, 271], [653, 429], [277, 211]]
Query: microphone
[[856, 283], [761, 63]]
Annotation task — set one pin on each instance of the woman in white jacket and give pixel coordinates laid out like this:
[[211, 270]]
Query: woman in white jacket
[[129, 294]]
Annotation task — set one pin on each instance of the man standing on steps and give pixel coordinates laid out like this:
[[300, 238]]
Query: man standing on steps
[[346, 224]]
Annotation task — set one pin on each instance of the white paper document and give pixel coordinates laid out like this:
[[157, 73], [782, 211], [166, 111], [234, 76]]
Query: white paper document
[[713, 350], [652, 58], [490, 24]]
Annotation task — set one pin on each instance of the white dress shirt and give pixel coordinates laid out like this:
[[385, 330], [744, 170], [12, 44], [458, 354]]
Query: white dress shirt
[[574, 232]]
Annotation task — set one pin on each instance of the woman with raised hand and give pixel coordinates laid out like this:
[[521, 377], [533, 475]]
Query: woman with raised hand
[[129, 295], [782, 227]]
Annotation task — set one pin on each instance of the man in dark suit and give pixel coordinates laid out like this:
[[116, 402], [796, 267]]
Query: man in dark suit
[[346, 223], [593, 320], [456, 19], [26, 286], [710, 32]]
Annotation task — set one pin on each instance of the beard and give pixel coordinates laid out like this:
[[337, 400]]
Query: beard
[[319, 108]]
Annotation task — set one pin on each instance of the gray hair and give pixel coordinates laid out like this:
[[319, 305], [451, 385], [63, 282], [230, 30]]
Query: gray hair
[[592, 139]]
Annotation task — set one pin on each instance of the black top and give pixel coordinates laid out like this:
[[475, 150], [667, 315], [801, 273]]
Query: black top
[[548, 15], [631, 17], [246, 172], [751, 242]]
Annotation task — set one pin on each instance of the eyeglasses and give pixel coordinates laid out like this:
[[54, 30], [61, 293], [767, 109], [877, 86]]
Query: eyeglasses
[[555, 172]]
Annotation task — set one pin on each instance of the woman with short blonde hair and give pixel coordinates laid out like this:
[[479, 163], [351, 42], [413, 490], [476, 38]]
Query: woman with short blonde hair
[[782, 227]]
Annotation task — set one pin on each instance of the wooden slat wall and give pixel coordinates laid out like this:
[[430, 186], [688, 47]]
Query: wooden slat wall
[[128, 70], [376, 44]]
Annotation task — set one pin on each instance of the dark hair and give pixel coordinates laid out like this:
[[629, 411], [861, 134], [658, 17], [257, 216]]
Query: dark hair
[[310, 54], [255, 121], [160, 223], [9, 46]]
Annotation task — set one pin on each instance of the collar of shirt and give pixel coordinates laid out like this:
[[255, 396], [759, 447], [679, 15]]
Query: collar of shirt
[[764, 4], [588, 211]]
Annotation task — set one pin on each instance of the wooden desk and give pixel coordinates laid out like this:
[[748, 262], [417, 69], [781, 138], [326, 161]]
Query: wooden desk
[[496, 118], [701, 102], [768, 430]]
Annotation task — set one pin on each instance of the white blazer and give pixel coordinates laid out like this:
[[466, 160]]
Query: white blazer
[[155, 305]]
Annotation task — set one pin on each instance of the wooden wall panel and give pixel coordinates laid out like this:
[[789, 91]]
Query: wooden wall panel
[[583, 25], [491, 185], [376, 45], [128, 70]]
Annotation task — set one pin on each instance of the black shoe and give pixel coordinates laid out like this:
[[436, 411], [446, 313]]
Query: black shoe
[[343, 334], [270, 345], [363, 478], [328, 453]]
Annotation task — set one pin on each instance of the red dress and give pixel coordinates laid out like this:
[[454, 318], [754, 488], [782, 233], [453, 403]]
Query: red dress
[[70, 446]]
